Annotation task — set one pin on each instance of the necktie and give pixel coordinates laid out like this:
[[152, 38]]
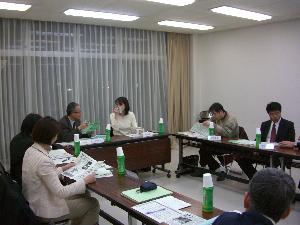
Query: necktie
[[273, 133], [74, 126]]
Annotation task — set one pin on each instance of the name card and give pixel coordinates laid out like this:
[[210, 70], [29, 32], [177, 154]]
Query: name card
[[269, 146], [214, 138]]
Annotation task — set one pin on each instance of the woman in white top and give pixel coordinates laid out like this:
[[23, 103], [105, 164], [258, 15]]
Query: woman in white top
[[122, 120], [47, 197]]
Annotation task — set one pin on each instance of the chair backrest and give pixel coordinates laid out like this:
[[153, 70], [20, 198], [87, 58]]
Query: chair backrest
[[242, 133], [14, 208]]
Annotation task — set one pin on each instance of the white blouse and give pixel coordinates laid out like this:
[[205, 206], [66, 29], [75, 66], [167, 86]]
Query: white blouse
[[123, 125]]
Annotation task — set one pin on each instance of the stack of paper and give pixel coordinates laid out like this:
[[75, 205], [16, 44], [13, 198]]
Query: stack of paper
[[60, 156], [166, 214], [86, 165], [85, 141]]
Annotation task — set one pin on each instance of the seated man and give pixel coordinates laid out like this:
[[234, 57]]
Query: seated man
[[225, 126], [71, 124], [277, 129], [269, 200]]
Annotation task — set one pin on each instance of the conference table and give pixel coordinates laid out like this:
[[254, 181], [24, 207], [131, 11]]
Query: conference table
[[226, 147], [111, 188], [140, 152]]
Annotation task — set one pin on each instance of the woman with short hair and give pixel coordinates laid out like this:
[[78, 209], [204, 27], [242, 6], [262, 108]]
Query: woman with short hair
[[47, 197]]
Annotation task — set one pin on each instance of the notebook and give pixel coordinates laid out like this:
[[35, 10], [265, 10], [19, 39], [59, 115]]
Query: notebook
[[139, 197]]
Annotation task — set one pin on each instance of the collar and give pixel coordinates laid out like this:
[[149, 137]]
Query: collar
[[277, 123], [40, 148], [273, 222]]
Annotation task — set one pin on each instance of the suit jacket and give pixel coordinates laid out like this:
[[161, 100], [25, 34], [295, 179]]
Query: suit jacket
[[67, 131], [42, 187], [245, 218], [18, 146], [285, 132]]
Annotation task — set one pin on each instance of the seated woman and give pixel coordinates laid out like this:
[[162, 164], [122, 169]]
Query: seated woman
[[47, 197], [122, 120]]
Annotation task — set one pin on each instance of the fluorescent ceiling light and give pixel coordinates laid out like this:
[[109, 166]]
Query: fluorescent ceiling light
[[193, 26], [14, 6], [99, 15], [174, 2], [241, 13]]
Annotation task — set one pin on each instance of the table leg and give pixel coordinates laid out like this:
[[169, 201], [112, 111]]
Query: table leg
[[271, 160], [282, 163], [131, 220]]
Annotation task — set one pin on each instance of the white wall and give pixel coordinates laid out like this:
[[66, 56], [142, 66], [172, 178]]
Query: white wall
[[245, 69]]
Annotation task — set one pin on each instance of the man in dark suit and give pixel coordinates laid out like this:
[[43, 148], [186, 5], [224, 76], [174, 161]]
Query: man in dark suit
[[269, 200], [277, 129], [19, 145], [71, 124]]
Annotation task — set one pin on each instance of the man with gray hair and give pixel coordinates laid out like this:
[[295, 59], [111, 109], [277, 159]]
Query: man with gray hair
[[70, 124], [271, 193]]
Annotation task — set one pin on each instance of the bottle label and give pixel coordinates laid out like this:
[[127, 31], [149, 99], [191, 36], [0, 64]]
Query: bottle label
[[107, 135], [161, 128], [121, 165], [211, 131], [207, 205], [258, 140], [77, 148]]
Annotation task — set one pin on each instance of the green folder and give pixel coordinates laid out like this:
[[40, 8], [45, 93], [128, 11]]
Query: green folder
[[139, 197], [91, 128]]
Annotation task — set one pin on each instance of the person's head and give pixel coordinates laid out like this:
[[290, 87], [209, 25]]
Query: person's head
[[45, 131], [217, 111], [271, 192], [28, 123], [73, 111], [274, 111], [123, 105]]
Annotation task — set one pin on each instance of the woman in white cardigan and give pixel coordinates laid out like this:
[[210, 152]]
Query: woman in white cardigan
[[47, 197], [122, 120]]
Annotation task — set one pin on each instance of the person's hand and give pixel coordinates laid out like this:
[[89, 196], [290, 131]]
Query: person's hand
[[299, 138], [286, 144], [91, 178], [83, 125], [206, 123], [68, 166]]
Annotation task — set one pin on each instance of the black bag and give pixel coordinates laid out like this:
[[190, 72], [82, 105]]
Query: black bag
[[14, 208], [190, 161]]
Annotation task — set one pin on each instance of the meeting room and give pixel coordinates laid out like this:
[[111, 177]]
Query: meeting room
[[149, 112]]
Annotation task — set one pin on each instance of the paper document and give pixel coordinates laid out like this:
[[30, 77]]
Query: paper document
[[172, 202], [200, 129], [86, 165], [85, 141], [157, 211], [186, 219], [242, 142], [60, 156]]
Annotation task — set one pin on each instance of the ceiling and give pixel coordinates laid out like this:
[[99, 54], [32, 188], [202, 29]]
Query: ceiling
[[150, 13]]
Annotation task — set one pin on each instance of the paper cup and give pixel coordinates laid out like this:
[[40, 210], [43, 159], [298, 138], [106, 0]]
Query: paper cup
[[207, 180], [108, 126], [76, 137], [258, 131], [120, 151]]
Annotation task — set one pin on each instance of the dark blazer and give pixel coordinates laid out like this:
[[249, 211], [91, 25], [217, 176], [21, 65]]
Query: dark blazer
[[18, 146], [285, 132], [246, 218], [67, 132]]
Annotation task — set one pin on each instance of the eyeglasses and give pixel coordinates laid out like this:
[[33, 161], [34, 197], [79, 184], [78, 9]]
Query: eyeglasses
[[77, 112]]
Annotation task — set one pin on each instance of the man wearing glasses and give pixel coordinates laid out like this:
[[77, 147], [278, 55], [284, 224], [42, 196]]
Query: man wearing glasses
[[71, 124]]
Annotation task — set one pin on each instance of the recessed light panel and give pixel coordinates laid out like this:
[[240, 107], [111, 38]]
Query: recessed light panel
[[174, 2], [14, 6], [192, 26]]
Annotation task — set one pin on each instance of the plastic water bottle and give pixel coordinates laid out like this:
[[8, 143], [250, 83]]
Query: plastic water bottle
[[258, 137], [76, 144], [207, 192], [161, 127], [121, 161], [211, 129], [107, 133]]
